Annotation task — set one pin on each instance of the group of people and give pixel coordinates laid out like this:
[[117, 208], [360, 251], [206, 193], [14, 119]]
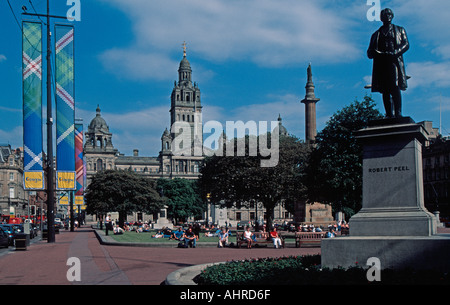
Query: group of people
[[189, 238], [186, 238], [251, 238], [112, 225]]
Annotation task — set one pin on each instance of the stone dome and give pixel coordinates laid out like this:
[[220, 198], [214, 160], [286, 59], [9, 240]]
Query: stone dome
[[282, 130], [98, 123], [184, 64]]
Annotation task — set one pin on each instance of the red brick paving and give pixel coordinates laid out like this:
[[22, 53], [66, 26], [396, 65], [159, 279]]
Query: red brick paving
[[45, 264]]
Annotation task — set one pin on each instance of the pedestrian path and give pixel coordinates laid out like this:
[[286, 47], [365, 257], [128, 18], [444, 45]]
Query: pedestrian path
[[46, 263], [97, 267]]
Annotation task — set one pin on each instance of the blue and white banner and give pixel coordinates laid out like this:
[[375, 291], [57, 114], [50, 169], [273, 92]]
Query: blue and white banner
[[32, 104], [65, 107]]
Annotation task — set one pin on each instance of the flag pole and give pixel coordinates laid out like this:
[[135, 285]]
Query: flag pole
[[50, 168]]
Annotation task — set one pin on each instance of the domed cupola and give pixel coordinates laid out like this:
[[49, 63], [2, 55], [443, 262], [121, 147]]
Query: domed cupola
[[98, 135], [282, 130], [184, 71], [98, 123]]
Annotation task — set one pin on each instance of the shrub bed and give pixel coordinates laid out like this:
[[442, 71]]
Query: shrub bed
[[306, 270]]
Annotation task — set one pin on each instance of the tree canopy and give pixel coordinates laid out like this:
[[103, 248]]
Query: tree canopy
[[182, 198], [122, 191], [334, 174], [242, 179]]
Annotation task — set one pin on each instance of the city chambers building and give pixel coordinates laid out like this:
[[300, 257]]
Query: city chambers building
[[185, 106]]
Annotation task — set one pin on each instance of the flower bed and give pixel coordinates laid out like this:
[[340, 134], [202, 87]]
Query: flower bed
[[306, 270]]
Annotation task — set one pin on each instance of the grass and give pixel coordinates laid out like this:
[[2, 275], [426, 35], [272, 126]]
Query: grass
[[146, 237]]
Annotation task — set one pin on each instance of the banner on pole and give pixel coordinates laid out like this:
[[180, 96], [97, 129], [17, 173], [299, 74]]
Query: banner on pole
[[65, 107], [32, 105], [33, 180], [79, 164], [65, 180]]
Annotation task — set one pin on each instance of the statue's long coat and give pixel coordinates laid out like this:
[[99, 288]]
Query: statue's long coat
[[401, 46]]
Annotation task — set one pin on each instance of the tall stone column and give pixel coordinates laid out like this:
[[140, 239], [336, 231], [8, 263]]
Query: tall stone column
[[310, 101]]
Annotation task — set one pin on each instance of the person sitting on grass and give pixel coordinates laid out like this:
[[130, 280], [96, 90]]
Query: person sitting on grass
[[145, 227], [223, 238], [177, 235], [190, 239], [158, 234], [167, 232], [209, 234], [118, 230]]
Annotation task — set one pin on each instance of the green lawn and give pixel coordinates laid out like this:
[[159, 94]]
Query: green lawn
[[146, 237]]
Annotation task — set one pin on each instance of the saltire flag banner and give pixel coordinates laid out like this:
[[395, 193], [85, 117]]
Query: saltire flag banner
[[32, 105], [79, 164], [65, 107]]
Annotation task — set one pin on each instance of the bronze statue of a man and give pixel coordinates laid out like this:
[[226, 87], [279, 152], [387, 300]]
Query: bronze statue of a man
[[386, 48]]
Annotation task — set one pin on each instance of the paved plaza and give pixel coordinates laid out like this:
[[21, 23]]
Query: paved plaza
[[46, 264]]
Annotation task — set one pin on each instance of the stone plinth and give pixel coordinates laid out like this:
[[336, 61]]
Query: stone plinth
[[394, 252], [393, 203], [393, 224], [162, 221]]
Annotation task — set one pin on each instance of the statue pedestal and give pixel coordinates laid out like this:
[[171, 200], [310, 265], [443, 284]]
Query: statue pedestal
[[393, 224], [162, 221], [393, 203]]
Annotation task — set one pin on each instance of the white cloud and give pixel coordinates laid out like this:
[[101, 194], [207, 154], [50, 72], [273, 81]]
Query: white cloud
[[428, 19], [428, 74], [133, 130], [142, 129], [2, 57], [287, 106], [137, 64], [268, 33], [14, 136]]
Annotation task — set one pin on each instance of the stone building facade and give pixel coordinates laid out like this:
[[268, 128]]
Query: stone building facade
[[186, 110], [13, 197], [100, 153], [436, 176]]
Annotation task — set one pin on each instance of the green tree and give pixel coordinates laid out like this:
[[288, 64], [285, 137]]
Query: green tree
[[182, 198], [334, 174], [122, 191], [241, 179]]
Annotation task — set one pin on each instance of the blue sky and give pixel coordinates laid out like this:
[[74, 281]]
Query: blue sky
[[249, 58]]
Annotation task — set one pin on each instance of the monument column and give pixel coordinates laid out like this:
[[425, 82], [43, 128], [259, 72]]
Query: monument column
[[310, 101]]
